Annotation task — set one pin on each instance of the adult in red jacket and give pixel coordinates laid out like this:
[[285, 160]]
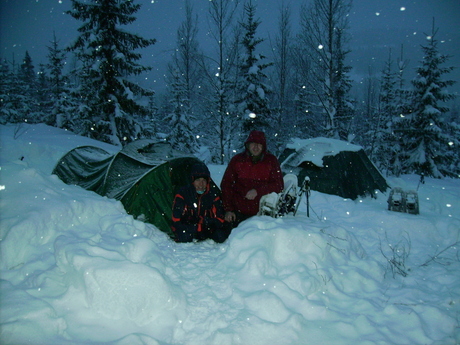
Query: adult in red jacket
[[197, 211], [250, 175]]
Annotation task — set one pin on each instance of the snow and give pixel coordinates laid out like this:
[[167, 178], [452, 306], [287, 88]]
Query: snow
[[76, 269], [314, 150], [254, 69]]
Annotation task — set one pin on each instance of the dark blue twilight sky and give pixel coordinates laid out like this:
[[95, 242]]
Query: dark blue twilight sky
[[375, 26]]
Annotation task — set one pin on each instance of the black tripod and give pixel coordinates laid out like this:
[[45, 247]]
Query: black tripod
[[305, 188]]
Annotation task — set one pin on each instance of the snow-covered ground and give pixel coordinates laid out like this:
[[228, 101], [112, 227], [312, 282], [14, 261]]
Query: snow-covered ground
[[76, 269]]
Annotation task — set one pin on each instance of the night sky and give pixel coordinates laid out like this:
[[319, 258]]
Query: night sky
[[375, 25]]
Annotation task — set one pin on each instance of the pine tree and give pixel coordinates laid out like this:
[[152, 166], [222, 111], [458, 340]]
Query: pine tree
[[181, 136], [108, 58], [27, 72], [7, 111], [426, 140], [253, 90], [27, 90], [151, 120], [44, 101], [306, 114], [384, 145], [61, 98], [403, 98]]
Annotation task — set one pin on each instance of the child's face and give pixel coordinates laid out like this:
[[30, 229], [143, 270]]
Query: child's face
[[200, 184]]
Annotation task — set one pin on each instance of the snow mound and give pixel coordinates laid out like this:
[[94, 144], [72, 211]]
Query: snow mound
[[77, 269]]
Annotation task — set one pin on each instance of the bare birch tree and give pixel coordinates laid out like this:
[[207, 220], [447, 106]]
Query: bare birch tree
[[323, 38], [222, 71], [282, 80]]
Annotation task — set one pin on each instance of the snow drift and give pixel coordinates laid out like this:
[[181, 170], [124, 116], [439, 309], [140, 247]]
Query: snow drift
[[77, 269]]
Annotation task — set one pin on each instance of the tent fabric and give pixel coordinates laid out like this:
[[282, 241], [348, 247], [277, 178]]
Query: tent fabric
[[333, 167], [84, 166], [144, 176]]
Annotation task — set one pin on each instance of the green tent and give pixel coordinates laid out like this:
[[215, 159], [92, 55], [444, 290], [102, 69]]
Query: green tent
[[333, 166], [144, 176]]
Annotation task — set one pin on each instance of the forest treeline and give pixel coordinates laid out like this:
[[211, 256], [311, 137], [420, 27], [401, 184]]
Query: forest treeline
[[301, 88]]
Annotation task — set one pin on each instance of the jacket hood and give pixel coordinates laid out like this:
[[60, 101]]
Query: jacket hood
[[200, 170], [257, 137]]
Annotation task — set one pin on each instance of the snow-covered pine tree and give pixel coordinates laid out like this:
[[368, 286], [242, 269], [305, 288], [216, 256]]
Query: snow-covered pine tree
[[306, 113], [403, 99], [17, 101], [27, 90], [181, 136], [27, 73], [61, 98], [427, 144], [85, 93], [453, 118], [252, 102], [385, 144], [151, 121], [108, 57], [44, 102], [8, 98], [185, 80]]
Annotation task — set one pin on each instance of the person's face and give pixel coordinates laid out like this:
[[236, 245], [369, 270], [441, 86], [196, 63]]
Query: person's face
[[255, 149], [200, 184]]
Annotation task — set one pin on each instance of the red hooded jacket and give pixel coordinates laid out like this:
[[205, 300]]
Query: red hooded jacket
[[245, 173]]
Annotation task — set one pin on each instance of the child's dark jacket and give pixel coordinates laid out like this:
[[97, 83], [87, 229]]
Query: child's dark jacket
[[197, 216]]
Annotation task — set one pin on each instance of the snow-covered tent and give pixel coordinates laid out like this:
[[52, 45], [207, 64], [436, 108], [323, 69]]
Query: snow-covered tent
[[144, 176], [333, 166]]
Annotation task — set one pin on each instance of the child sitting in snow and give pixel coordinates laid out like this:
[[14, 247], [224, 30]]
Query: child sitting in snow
[[197, 212]]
